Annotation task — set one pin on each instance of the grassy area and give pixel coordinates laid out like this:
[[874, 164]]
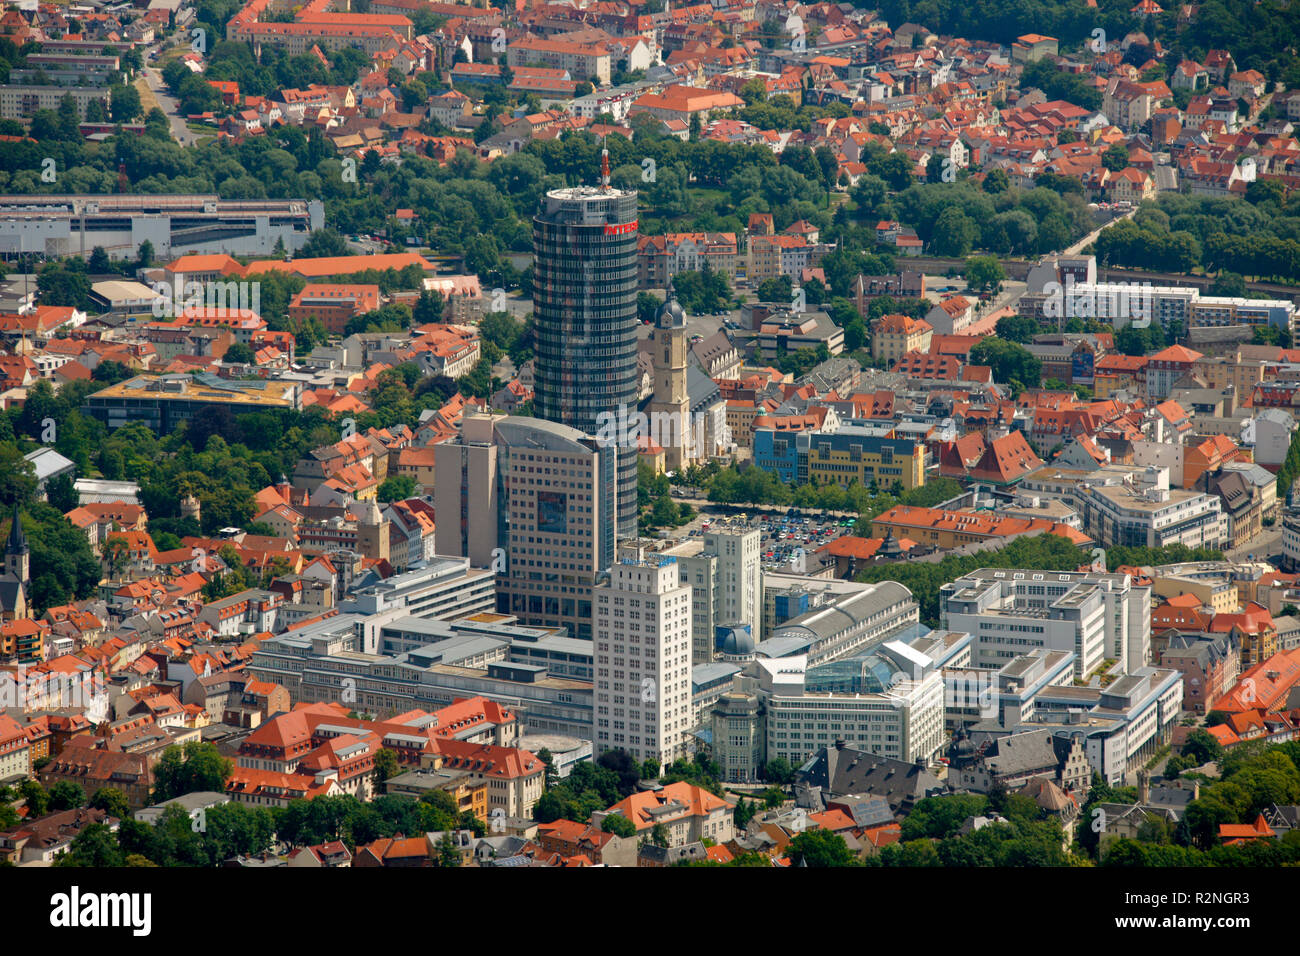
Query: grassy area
[[171, 53], [1160, 755], [147, 99]]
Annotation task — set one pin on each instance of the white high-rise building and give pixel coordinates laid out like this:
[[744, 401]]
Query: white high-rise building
[[740, 582], [724, 569], [643, 660]]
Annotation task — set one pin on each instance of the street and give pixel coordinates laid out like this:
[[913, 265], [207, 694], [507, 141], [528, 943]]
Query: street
[[1083, 243], [168, 104], [1265, 547]]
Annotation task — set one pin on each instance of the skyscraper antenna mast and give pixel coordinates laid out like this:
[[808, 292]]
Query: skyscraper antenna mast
[[604, 166]]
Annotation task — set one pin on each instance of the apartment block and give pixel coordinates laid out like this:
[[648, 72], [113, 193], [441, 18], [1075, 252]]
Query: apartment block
[[659, 258], [582, 61], [863, 455], [333, 305], [828, 620], [21, 101], [325, 662]]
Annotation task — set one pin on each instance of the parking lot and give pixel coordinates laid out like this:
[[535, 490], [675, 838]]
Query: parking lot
[[782, 533], [699, 325]]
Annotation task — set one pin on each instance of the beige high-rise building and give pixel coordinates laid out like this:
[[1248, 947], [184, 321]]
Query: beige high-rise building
[[534, 501], [643, 661]]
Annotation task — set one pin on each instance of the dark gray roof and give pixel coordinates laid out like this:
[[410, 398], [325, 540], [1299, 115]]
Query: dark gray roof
[[1017, 754], [701, 389], [868, 811], [843, 771], [10, 588], [1285, 817], [17, 539], [709, 350], [669, 856]]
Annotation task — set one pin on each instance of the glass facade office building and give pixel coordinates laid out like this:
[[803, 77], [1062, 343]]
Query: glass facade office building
[[584, 311]]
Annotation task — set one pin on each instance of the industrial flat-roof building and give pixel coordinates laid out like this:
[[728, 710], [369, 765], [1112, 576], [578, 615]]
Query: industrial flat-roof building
[[161, 402], [72, 225]]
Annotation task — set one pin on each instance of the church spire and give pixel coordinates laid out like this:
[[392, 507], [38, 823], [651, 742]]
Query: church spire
[[17, 553], [17, 539]]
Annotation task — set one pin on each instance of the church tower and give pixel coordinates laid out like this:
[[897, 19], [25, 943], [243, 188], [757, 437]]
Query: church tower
[[17, 552], [15, 580], [372, 530], [670, 406]]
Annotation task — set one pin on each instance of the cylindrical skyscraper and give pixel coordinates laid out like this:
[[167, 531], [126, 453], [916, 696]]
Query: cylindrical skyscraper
[[584, 313]]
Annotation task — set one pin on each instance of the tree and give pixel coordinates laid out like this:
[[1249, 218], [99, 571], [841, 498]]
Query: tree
[[196, 767], [819, 848], [659, 836], [1115, 158], [238, 353], [1012, 364], [112, 801], [94, 846], [776, 289], [448, 854], [35, 797], [69, 119], [397, 488], [1017, 328], [324, 243], [996, 181], [628, 771], [429, 308], [550, 775], [779, 771], [743, 813], [618, 825], [124, 103], [954, 233], [984, 272], [1202, 747], [61, 493], [63, 567], [66, 795], [385, 767]]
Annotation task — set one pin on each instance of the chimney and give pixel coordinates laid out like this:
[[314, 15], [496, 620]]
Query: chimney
[[1144, 786], [839, 743]]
